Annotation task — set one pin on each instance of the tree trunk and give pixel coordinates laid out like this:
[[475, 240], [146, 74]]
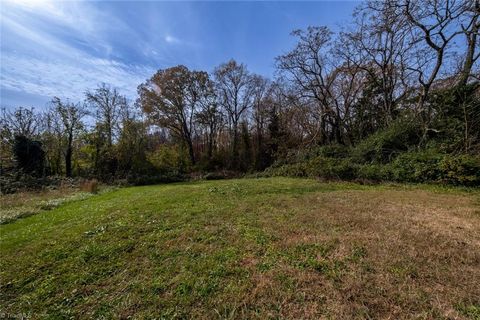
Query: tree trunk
[[210, 147], [68, 162], [68, 157], [470, 54], [234, 164], [191, 152]]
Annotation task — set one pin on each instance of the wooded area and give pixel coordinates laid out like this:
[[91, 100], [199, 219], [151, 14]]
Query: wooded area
[[394, 96]]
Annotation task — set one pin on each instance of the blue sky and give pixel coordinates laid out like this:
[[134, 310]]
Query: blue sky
[[64, 48]]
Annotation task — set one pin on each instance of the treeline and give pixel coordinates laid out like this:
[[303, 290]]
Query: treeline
[[393, 96]]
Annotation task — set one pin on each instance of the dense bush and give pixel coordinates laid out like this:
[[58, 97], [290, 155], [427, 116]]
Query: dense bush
[[287, 170], [220, 175], [384, 145], [395, 153], [374, 172], [428, 166], [320, 167], [457, 119], [12, 182], [417, 167], [168, 158], [332, 168], [460, 170], [422, 166], [166, 177], [29, 155]]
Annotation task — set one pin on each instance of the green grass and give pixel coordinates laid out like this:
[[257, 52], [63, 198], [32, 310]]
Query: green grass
[[251, 248], [23, 204]]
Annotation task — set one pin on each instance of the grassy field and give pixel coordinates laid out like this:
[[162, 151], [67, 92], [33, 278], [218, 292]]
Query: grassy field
[[24, 204], [254, 248]]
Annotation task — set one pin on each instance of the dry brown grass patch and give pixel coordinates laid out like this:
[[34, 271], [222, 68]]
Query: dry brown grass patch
[[89, 186], [421, 253]]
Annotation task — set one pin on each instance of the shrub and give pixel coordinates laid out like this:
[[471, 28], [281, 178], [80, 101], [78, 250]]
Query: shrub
[[327, 151], [419, 166], [214, 176], [319, 167], [220, 175], [334, 151], [288, 170], [456, 115], [16, 181], [168, 158], [460, 170], [29, 155], [384, 145], [332, 168], [303, 155], [166, 177], [429, 166], [375, 172]]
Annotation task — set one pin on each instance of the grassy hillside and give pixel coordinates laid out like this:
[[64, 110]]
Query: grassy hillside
[[252, 248]]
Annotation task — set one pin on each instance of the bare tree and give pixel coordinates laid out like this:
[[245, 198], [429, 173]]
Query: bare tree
[[235, 92], [71, 116], [309, 68], [471, 31], [210, 120], [21, 122], [348, 88], [260, 117], [107, 102], [378, 44], [432, 25], [52, 137]]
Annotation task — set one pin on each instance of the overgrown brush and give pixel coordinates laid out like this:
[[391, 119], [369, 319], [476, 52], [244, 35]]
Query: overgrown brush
[[416, 166]]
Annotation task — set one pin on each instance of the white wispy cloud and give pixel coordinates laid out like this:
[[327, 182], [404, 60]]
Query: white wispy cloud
[[172, 39], [67, 78], [79, 18], [40, 61]]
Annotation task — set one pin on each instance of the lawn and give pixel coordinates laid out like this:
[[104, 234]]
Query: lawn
[[251, 248], [22, 204]]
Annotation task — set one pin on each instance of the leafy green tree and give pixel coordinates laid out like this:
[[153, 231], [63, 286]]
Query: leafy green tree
[[171, 99]]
